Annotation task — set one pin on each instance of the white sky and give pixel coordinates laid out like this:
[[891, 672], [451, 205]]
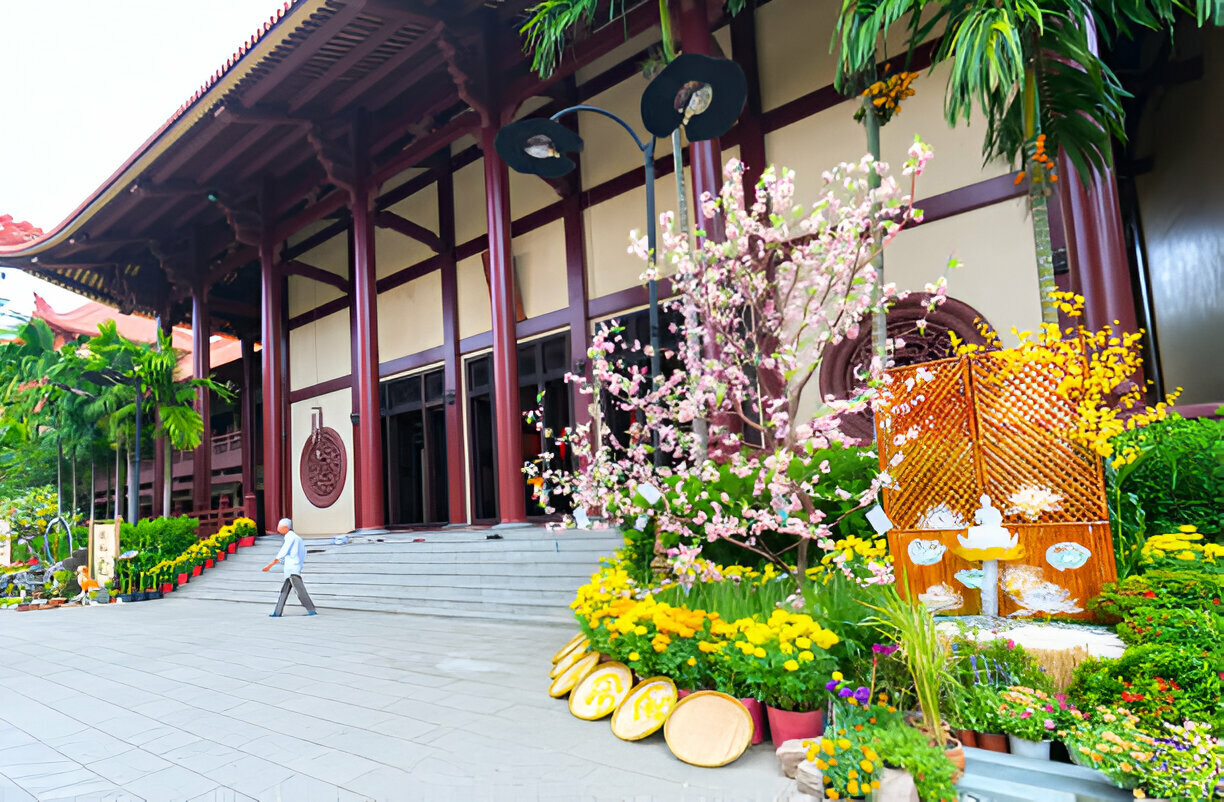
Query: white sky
[[86, 83]]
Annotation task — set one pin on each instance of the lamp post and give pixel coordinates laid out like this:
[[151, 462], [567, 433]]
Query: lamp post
[[701, 94]]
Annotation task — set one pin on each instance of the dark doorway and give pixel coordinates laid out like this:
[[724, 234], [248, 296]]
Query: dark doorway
[[414, 442], [542, 365]]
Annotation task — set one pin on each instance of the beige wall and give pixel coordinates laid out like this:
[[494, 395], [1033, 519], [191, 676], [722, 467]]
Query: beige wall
[[410, 317], [320, 351], [339, 517], [394, 251]]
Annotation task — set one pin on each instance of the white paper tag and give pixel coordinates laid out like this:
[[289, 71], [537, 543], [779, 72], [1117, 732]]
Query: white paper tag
[[581, 520], [650, 493], [879, 520]]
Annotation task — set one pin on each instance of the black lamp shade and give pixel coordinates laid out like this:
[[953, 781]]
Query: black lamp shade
[[663, 106], [513, 141]]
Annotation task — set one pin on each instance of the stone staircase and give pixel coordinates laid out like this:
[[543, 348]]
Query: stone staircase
[[529, 574]]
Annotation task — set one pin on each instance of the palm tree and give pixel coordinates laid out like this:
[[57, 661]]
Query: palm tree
[[1031, 67]]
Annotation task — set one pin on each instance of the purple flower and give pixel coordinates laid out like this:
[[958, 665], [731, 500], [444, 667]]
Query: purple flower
[[884, 649], [831, 685], [845, 692], [862, 694]]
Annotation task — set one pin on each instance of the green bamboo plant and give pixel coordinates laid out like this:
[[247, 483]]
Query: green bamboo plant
[[1032, 69]]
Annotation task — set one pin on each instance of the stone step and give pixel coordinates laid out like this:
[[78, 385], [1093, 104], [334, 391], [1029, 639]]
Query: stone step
[[529, 575]]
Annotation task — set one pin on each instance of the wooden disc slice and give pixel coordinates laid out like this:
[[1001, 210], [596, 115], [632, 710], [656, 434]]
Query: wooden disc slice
[[570, 645], [566, 681], [644, 709], [708, 729], [601, 691], [573, 656]]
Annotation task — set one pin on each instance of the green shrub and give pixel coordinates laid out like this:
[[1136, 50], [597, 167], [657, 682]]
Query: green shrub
[[1161, 589], [1175, 627], [1178, 476], [1157, 682]]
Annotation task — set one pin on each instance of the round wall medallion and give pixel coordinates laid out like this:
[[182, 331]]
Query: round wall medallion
[[324, 467], [841, 373]]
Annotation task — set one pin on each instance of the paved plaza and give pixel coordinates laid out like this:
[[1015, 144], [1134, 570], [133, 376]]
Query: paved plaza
[[191, 699]]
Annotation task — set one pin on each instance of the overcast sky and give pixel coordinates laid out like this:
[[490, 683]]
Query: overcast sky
[[86, 83]]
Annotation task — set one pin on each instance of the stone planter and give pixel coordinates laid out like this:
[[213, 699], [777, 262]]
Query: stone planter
[[1034, 750]]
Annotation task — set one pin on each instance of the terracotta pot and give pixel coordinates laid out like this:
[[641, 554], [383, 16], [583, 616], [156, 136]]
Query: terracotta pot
[[992, 742], [196, 570], [209, 563], [21, 608], [1034, 750], [758, 719], [55, 602], [231, 547], [967, 737], [956, 753], [181, 579], [785, 725], [249, 540]]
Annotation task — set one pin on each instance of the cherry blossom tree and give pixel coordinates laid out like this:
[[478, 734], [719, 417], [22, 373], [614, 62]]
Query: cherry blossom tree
[[762, 309]]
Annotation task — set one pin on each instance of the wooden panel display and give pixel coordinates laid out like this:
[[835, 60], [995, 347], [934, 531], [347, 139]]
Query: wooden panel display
[[955, 432]]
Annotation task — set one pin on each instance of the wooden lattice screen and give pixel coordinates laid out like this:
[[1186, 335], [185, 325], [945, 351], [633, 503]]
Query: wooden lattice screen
[[955, 430]]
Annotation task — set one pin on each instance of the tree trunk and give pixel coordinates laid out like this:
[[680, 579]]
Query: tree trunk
[[133, 497], [879, 319], [1039, 185], [168, 476]]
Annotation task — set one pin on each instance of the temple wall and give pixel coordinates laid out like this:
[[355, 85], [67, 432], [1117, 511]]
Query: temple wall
[[339, 517]]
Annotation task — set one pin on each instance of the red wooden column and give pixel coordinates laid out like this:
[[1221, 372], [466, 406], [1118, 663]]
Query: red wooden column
[[367, 434], [1096, 248], [752, 132], [455, 464], [511, 505], [705, 158], [248, 426], [201, 367], [275, 390]]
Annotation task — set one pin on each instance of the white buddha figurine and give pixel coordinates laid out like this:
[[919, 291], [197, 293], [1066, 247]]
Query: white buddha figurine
[[989, 540]]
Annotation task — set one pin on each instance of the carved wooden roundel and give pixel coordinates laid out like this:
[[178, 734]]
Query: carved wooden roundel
[[845, 363], [324, 467]]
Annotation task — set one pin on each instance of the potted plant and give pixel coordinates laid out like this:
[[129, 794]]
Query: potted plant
[[1111, 742], [903, 749], [1186, 764], [912, 626], [245, 530], [850, 767], [1031, 718]]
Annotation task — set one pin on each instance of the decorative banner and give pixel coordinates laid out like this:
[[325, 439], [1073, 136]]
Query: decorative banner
[[324, 464], [601, 691], [103, 549], [645, 709]]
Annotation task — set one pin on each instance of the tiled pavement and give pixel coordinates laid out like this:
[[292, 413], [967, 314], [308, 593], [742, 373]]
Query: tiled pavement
[[184, 699]]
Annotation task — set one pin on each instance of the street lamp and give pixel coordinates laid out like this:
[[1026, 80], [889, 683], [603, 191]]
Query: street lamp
[[110, 376], [700, 94]]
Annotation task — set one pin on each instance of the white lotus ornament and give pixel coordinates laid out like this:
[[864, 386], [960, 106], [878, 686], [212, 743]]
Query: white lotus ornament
[[989, 540]]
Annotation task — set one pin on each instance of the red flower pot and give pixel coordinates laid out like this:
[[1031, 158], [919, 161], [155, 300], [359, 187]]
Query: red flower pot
[[181, 579], [231, 547], [992, 742], [967, 737], [220, 556], [196, 570], [786, 725], [248, 540], [209, 563], [682, 692], [167, 587], [758, 719]]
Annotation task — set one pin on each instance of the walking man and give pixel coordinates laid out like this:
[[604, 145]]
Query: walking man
[[292, 554]]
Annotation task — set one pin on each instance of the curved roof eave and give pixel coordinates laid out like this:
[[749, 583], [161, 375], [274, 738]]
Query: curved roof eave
[[246, 59]]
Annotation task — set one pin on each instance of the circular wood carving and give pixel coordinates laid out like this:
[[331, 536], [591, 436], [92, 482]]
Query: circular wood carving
[[845, 363], [324, 467]]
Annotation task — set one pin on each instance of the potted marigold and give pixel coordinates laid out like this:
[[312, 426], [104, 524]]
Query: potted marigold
[[245, 531], [783, 662], [850, 768]]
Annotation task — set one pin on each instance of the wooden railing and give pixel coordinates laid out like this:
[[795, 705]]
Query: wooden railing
[[211, 521], [221, 444]]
